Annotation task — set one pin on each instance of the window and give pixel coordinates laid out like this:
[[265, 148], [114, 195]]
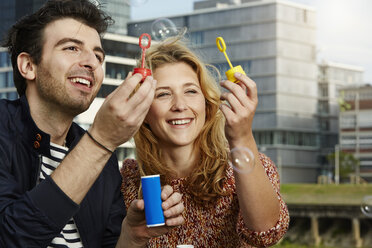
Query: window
[[223, 67], [117, 71], [323, 90], [106, 90], [347, 121], [323, 107], [197, 38], [285, 138]]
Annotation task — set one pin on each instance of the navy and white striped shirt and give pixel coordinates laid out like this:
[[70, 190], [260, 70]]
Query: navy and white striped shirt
[[69, 237]]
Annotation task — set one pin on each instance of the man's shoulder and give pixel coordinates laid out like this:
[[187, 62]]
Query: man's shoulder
[[9, 111], [9, 105]]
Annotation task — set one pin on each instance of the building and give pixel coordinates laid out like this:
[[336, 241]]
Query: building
[[331, 78], [356, 126], [274, 42], [12, 10], [121, 51], [7, 89]]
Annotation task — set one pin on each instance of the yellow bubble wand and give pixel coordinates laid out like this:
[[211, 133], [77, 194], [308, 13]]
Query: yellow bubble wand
[[230, 73]]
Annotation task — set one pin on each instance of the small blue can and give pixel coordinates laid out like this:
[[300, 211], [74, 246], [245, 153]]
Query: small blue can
[[151, 190]]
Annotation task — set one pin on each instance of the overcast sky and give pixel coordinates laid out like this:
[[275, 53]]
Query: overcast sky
[[344, 27]]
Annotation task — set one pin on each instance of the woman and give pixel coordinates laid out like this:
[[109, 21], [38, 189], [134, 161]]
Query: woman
[[184, 138]]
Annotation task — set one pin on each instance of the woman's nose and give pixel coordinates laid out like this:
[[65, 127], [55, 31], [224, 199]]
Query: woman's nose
[[179, 103]]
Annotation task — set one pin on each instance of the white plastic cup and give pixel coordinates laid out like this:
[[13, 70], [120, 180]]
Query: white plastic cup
[[185, 246]]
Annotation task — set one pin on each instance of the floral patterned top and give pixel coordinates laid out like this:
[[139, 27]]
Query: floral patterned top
[[212, 225]]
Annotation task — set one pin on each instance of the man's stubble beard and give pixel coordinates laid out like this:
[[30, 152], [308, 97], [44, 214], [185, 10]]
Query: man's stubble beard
[[54, 92]]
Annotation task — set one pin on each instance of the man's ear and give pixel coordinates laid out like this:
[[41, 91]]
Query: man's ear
[[25, 66]]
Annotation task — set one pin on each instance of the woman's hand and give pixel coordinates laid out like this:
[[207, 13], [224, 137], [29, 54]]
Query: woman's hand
[[239, 112], [135, 233]]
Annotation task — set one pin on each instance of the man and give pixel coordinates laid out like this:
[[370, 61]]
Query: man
[[48, 198]]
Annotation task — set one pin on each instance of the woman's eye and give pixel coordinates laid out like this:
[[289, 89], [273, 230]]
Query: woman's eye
[[162, 94], [191, 91]]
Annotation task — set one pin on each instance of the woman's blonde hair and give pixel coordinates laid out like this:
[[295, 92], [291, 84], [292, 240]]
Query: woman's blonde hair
[[206, 180]]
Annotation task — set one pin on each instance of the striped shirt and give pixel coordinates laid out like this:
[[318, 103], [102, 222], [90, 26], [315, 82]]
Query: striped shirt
[[69, 237]]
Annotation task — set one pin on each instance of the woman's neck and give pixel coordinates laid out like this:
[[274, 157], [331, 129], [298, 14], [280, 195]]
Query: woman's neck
[[180, 159]]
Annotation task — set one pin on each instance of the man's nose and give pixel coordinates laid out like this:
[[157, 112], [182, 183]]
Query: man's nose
[[89, 60]]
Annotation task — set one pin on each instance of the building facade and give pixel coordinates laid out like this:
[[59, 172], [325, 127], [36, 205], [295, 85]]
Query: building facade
[[331, 78], [274, 42], [356, 126], [7, 89], [12, 10]]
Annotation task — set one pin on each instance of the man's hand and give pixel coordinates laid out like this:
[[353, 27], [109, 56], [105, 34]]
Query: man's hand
[[123, 111], [135, 233]]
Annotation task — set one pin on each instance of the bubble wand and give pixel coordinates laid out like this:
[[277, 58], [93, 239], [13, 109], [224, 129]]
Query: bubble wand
[[230, 73], [144, 44]]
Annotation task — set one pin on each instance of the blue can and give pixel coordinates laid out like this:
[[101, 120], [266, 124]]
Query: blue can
[[151, 190]]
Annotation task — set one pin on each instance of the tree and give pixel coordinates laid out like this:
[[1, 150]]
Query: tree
[[347, 162]]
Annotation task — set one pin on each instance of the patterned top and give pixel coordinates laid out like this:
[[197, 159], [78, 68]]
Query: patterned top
[[211, 225], [69, 236]]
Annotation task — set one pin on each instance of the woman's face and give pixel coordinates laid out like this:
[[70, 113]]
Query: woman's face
[[177, 113]]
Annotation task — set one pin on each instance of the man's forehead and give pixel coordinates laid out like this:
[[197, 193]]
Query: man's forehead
[[71, 28]]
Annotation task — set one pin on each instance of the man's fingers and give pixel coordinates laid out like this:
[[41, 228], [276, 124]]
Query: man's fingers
[[143, 98], [129, 84]]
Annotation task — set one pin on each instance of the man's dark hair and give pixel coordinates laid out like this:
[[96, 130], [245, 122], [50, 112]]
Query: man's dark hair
[[26, 35]]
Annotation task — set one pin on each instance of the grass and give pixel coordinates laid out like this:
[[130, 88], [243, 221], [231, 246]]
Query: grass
[[343, 194], [288, 245], [298, 246]]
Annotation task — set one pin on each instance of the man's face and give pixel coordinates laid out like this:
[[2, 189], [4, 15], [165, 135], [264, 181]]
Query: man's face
[[70, 72]]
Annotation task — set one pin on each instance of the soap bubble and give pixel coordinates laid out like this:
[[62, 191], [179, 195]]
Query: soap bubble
[[366, 206], [241, 159], [136, 3], [163, 28]]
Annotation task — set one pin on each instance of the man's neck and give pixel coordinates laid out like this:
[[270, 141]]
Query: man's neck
[[50, 120]]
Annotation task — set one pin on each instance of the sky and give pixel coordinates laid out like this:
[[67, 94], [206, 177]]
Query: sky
[[344, 27]]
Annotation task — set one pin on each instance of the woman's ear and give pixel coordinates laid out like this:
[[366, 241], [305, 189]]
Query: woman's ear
[[25, 66]]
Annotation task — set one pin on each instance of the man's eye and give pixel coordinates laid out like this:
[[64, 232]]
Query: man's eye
[[71, 48], [99, 58]]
